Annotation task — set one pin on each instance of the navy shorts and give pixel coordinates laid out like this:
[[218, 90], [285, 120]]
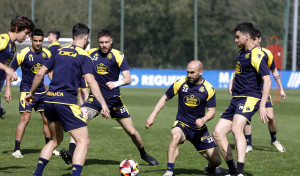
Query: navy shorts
[[69, 115], [269, 103], [201, 139], [115, 105], [245, 106], [38, 103]]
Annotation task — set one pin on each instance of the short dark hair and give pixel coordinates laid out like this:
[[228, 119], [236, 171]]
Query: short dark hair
[[103, 32], [257, 33], [37, 32], [21, 23], [80, 29], [56, 33], [245, 28]]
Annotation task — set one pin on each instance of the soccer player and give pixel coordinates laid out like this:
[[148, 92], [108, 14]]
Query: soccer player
[[251, 72], [30, 59], [61, 109], [194, 95], [108, 63], [20, 28], [272, 122], [53, 37]]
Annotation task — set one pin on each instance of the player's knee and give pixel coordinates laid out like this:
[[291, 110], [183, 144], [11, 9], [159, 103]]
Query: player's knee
[[25, 120], [217, 135], [175, 137]]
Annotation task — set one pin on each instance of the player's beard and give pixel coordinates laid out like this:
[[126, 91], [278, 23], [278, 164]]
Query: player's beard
[[86, 44], [195, 80], [105, 50]]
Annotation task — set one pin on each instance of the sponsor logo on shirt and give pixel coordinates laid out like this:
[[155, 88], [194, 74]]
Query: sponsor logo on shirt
[[36, 68], [191, 100], [101, 69]]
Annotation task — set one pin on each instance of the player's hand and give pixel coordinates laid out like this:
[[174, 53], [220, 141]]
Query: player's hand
[[110, 85], [7, 95], [263, 114], [149, 121], [282, 93], [199, 122], [29, 98], [13, 75], [105, 112]]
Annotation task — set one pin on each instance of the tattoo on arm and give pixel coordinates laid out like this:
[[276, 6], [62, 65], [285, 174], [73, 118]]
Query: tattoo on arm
[[91, 114]]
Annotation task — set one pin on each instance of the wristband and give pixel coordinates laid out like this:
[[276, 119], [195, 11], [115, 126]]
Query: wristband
[[118, 83]]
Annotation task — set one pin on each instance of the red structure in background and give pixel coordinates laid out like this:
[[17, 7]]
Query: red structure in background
[[277, 52]]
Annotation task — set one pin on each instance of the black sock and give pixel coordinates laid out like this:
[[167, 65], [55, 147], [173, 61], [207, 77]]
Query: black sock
[[72, 147], [232, 167], [142, 151], [240, 167], [17, 145], [47, 139]]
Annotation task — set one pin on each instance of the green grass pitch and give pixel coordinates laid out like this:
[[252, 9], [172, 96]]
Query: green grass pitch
[[110, 145]]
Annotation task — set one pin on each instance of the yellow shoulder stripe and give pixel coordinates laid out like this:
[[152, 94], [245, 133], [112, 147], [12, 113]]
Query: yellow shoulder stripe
[[270, 56], [21, 55], [256, 58], [90, 51], [118, 55], [4, 39], [210, 90], [47, 52], [178, 83], [54, 43]]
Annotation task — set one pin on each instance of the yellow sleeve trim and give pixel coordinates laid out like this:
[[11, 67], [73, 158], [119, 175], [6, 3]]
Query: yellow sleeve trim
[[256, 58], [210, 90], [90, 51], [82, 52], [118, 55], [21, 55], [4, 39], [178, 83]]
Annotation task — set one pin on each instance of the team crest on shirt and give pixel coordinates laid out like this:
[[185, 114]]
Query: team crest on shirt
[[36, 67], [201, 89], [191, 100], [101, 69], [247, 56], [109, 56], [238, 68], [90, 100], [44, 55]]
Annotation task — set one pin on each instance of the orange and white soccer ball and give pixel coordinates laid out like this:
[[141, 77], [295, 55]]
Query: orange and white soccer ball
[[129, 167]]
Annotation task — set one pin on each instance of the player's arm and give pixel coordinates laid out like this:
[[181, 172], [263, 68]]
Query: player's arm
[[265, 93], [158, 107], [7, 94], [125, 81], [90, 79], [278, 81], [208, 116], [12, 75], [231, 84], [35, 83]]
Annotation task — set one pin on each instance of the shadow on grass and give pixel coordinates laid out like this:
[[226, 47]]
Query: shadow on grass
[[5, 169], [25, 151], [99, 161]]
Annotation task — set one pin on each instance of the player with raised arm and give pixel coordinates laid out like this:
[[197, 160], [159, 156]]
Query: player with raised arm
[[30, 59], [108, 63], [61, 109], [251, 73], [20, 27], [194, 95]]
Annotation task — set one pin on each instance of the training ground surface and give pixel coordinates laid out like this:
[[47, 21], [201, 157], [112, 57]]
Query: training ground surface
[[110, 144]]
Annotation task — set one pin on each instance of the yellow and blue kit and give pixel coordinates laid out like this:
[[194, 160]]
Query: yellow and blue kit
[[107, 67], [54, 47], [7, 51], [68, 64]]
